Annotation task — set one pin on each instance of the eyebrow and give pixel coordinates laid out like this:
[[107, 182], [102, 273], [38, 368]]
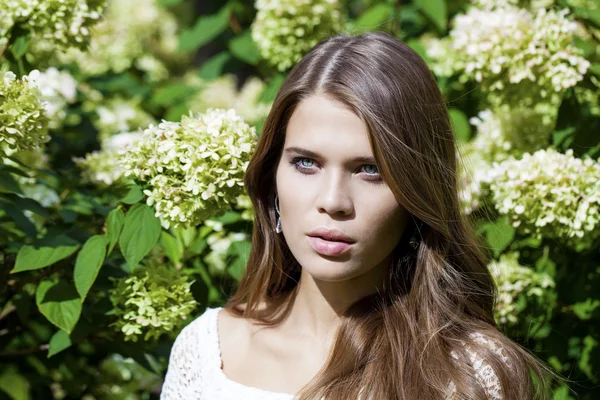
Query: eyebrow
[[312, 154]]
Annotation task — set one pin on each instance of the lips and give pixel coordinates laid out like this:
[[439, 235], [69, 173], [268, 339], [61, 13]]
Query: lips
[[330, 242]]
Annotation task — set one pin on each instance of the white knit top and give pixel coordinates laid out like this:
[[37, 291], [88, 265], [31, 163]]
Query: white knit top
[[195, 368]]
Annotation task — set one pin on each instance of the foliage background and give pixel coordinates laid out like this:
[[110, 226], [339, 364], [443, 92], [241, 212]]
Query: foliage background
[[94, 286]]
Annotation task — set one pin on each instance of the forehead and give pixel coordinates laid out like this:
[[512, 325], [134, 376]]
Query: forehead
[[327, 126]]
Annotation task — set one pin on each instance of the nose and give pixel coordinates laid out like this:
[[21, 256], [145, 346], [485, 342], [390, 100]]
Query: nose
[[334, 196]]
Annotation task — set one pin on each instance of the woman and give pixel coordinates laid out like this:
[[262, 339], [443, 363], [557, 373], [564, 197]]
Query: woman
[[364, 279]]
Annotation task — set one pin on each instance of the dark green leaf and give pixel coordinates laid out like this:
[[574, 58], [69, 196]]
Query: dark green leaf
[[140, 233], [44, 252], [374, 17], [460, 123], [114, 224], [19, 47], [88, 264], [206, 28], [270, 91], [169, 244], [22, 222], [244, 48], [59, 303], [134, 195], [8, 183], [584, 310], [172, 94], [59, 342], [213, 67], [436, 11], [15, 385], [499, 235]]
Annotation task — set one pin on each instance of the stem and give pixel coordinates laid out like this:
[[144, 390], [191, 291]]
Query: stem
[[4, 313]]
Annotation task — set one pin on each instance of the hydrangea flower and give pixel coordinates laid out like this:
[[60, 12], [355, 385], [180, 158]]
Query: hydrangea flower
[[57, 89], [63, 23], [285, 30], [117, 115], [511, 46], [194, 168], [139, 34], [223, 93], [155, 299], [23, 121], [104, 167], [550, 195], [518, 287], [219, 243]]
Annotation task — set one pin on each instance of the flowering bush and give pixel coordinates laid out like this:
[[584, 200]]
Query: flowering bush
[[61, 23], [285, 30], [105, 167], [518, 288], [117, 115], [193, 168], [549, 194], [23, 120], [223, 93], [152, 301], [122, 41]]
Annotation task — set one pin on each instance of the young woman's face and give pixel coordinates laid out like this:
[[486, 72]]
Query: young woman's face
[[327, 178]]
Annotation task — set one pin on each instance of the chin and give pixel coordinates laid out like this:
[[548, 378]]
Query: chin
[[329, 269]]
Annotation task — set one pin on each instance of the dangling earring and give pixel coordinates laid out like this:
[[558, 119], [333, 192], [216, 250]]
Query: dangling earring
[[278, 226]]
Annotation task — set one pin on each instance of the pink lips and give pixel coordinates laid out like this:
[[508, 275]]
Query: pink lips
[[328, 247]]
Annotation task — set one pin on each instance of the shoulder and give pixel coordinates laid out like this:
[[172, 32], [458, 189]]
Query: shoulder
[[194, 335]]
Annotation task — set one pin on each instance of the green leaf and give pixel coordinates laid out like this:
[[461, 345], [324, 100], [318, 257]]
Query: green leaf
[[133, 196], [374, 17], [206, 28], [172, 94], [585, 310], [59, 303], [169, 243], [114, 225], [88, 264], [244, 48], [169, 3], [15, 385], [59, 342], [241, 250], [44, 252], [499, 235], [22, 222], [213, 67], [460, 123], [8, 183], [140, 233], [19, 47], [592, 15], [436, 11], [14, 170], [270, 91]]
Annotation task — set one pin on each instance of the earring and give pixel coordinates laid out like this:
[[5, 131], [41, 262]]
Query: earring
[[278, 226]]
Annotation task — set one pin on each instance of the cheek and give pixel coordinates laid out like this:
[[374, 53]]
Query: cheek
[[385, 225]]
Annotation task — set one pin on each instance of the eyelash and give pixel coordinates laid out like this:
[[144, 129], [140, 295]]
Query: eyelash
[[296, 160]]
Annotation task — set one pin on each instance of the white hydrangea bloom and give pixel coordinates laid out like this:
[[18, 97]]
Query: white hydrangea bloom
[[57, 89], [23, 120], [104, 167], [194, 168], [117, 114], [285, 30], [550, 195], [63, 23], [223, 93], [219, 243], [132, 33], [522, 58], [517, 286]]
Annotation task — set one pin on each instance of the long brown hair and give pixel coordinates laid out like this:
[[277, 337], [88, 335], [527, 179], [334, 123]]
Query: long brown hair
[[416, 337]]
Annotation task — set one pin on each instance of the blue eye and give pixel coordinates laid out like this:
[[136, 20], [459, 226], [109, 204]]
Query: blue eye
[[373, 169], [305, 165]]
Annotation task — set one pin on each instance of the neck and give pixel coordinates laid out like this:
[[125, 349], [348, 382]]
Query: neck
[[319, 305]]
